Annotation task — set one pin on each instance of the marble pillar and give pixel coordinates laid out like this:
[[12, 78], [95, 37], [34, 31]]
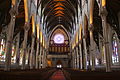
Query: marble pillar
[[26, 29], [105, 38], [101, 49], [10, 33], [85, 54], [73, 59], [28, 56], [110, 34], [31, 54], [77, 57], [36, 62], [40, 56], [80, 55], [92, 50], [18, 50], [43, 58]]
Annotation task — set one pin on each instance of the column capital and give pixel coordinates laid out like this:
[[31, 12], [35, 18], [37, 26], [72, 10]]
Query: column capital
[[84, 37], [91, 28], [13, 11], [103, 11], [33, 35], [26, 26], [80, 41], [38, 41]]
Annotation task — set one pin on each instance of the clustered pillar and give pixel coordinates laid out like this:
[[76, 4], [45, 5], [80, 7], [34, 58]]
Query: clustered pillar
[[37, 54], [26, 29], [105, 37], [92, 49], [32, 52], [85, 54], [10, 38], [80, 56], [18, 50]]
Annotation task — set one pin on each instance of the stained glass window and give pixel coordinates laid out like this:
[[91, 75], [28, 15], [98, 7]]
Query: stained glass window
[[115, 50], [58, 39]]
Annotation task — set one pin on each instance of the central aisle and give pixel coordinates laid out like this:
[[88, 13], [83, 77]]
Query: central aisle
[[58, 75]]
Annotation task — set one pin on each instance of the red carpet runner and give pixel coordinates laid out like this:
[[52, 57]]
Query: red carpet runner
[[58, 76]]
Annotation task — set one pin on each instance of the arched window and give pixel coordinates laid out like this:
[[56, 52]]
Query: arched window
[[59, 42], [115, 50]]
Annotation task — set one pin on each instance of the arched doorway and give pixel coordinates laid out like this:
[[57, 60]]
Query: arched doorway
[[59, 64]]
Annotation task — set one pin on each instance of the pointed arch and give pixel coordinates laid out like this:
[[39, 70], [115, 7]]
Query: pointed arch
[[59, 27]]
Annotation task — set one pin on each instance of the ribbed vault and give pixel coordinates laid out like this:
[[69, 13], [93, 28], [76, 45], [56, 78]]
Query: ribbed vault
[[57, 12]]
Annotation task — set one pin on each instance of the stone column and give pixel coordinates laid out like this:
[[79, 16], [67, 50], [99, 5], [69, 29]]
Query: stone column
[[47, 52], [77, 57], [80, 55], [105, 37], [74, 58], [26, 29], [110, 34], [73, 61], [85, 53], [40, 56], [10, 32], [34, 58], [18, 50], [28, 52], [92, 49], [101, 49], [43, 58], [36, 66], [32, 50]]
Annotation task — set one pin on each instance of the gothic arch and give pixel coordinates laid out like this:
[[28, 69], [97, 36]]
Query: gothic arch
[[59, 27]]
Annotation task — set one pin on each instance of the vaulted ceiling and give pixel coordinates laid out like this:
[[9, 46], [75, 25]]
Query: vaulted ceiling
[[63, 12]]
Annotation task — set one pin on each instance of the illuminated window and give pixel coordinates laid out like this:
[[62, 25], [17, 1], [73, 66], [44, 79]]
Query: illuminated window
[[2, 50], [13, 56], [115, 50], [58, 39]]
